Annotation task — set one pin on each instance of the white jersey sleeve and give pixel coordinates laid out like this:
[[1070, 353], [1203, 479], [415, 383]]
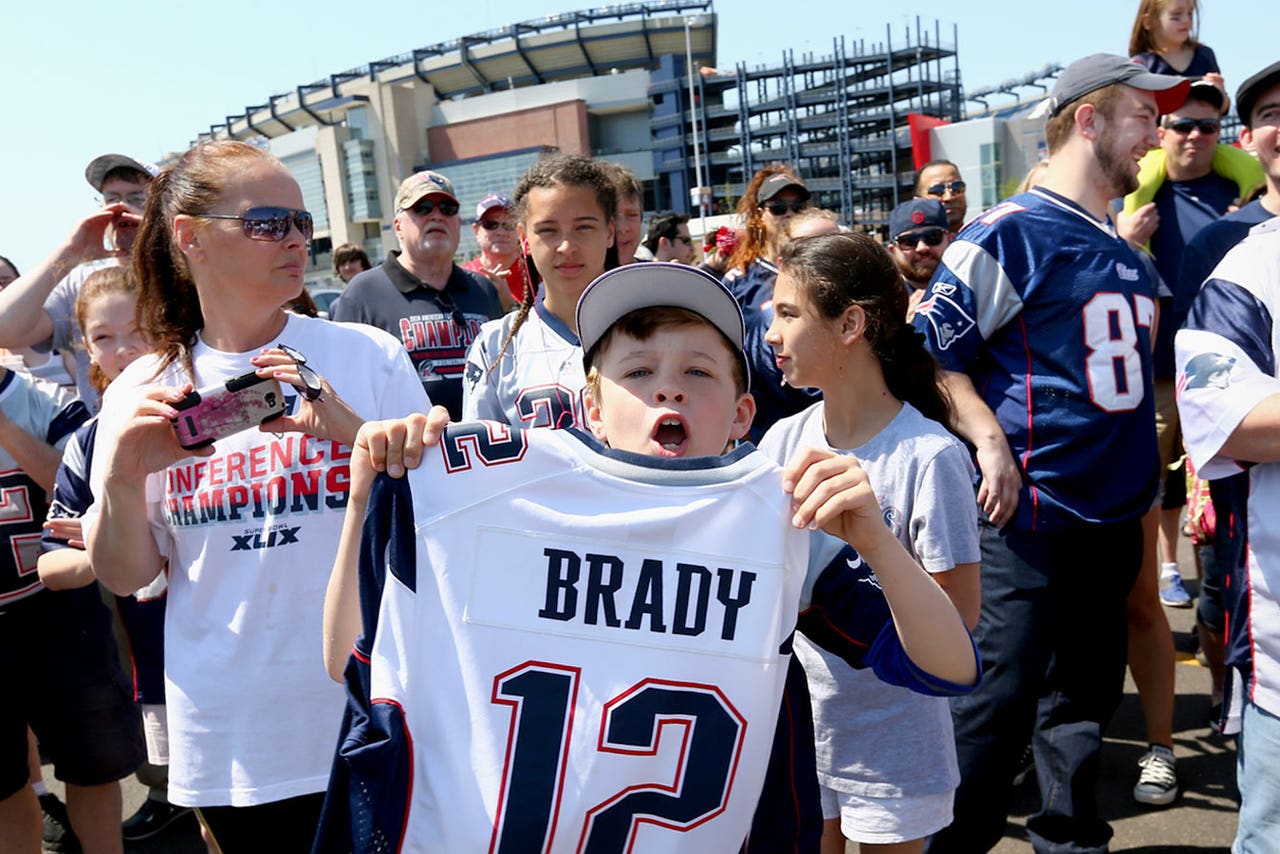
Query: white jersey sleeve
[[1226, 350]]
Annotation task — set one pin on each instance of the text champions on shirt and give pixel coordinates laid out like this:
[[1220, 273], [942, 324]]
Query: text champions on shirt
[[288, 475]]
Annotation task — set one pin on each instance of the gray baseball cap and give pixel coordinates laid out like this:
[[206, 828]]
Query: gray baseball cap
[[1253, 88], [99, 166], [1102, 69], [625, 289]]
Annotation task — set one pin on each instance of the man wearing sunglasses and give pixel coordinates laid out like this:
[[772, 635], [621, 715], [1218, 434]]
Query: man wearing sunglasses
[[940, 180], [669, 239], [1185, 184], [499, 260], [38, 309], [918, 235], [419, 295]]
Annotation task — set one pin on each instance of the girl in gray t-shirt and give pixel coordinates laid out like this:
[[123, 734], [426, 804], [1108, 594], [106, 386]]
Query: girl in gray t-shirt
[[886, 756]]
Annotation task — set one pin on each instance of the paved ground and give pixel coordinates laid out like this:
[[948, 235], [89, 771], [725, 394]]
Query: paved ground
[[1204, 816], [1203, 819]]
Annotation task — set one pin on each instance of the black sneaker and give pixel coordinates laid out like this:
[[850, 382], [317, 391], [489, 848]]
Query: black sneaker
[[151, 818], [58, 835]]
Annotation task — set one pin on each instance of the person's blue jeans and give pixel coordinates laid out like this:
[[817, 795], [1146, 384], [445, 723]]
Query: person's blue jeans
[[1259, 783], [1052, 635]]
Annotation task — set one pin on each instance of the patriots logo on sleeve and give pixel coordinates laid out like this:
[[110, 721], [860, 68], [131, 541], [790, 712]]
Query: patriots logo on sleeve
[[946, 317], [473, 374], [1208, 370]]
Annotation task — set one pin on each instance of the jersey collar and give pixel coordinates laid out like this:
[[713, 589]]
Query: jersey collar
[[556, 324], [1063, 202]]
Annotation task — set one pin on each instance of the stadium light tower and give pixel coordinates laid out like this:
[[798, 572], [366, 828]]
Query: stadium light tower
[[699, 193]]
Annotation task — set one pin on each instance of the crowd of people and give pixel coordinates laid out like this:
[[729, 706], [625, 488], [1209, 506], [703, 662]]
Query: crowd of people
[[596, 542]]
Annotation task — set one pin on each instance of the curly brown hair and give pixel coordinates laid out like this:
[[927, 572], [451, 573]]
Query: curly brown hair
[[557, 170], [756, 239]]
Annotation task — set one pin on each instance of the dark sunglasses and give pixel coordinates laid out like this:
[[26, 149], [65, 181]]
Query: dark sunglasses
[[424, 207], [311, 387], [270, 224], [492, 224], [931, 237], [956, 188], [1186, 126], [779, 208], [449, 307]]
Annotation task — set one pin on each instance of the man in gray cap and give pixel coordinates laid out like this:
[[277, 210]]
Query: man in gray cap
[[38, 309], [1040, 316], [419, 295]]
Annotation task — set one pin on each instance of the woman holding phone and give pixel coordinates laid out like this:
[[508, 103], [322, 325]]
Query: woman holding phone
[[247, 525]]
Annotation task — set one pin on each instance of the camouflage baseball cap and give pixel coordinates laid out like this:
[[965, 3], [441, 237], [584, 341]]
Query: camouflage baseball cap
[[421, 184]]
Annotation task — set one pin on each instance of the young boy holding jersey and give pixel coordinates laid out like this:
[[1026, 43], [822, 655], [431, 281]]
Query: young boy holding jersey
[[583, 641]]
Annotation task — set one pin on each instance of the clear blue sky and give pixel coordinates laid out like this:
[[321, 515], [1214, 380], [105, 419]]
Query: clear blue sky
[[145, 77]]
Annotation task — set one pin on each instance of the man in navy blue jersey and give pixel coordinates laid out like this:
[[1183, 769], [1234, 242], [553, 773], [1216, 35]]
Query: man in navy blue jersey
[[1041, 317]]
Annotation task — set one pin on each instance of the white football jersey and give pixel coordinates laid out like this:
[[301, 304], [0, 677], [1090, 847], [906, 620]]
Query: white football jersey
[[578, 649], [537, 382]]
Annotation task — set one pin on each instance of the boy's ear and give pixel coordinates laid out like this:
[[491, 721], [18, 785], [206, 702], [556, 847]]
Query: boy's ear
[[595, 416], [744, 412]]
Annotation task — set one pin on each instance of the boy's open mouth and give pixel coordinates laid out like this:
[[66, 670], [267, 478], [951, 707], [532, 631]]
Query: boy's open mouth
[[670, 433]]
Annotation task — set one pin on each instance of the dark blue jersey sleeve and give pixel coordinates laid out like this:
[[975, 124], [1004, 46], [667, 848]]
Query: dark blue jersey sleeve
[[849, 617], [71, 494], [367, 801], [71, 416]]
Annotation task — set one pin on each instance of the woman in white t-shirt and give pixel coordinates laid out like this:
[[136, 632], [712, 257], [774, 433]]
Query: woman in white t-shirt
[[886, 756], [248, 525]]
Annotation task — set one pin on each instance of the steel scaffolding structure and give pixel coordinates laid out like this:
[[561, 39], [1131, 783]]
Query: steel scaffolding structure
[[841, 120]]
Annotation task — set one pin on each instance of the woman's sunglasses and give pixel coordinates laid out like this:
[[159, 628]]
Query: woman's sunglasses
[[780, 208], [311, 387], [270, 224]]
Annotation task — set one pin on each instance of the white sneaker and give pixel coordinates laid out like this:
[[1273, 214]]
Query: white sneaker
[[1157, 777], [1172, 593]]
